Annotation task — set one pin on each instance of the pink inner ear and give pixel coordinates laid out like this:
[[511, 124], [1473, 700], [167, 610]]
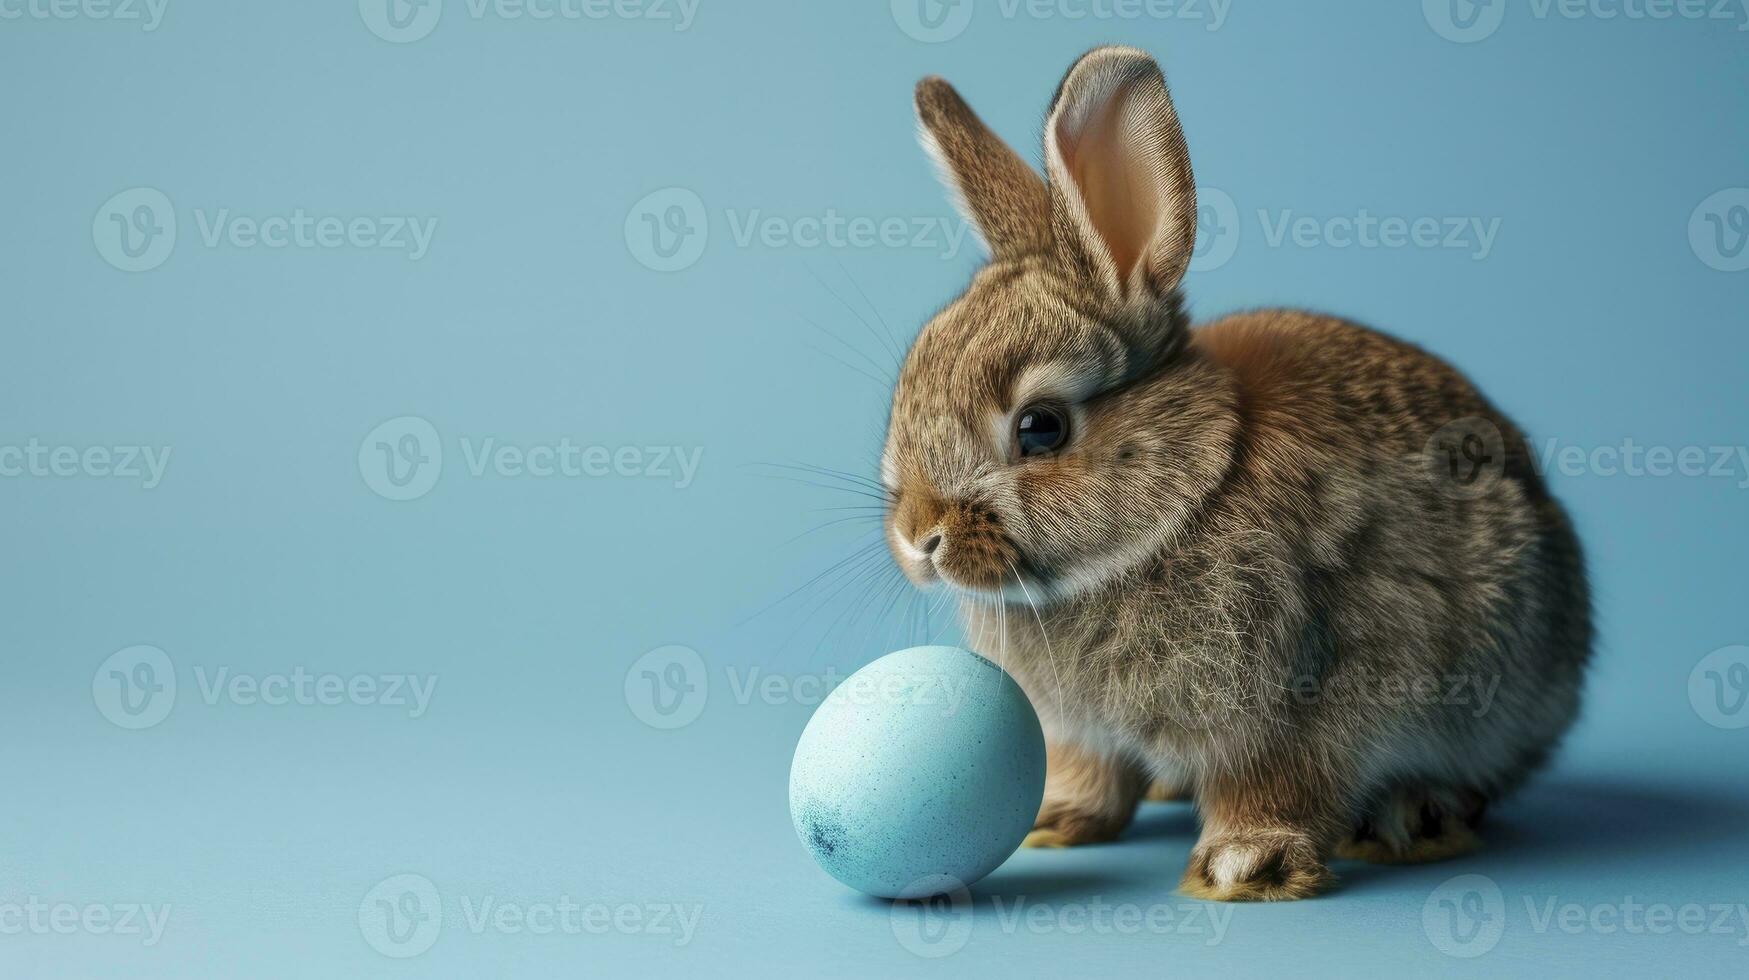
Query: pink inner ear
[[1120, 193]]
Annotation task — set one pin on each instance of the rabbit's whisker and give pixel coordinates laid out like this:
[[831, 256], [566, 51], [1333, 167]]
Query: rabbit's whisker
[[845, 475], [841, 362], [867, 568], [859, 518], [892, 338], [887, 376], [824, 486], [1050, 655], [886, 345], [859, 556]]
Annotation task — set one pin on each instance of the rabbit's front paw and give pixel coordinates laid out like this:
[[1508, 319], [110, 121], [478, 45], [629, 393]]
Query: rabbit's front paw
[[1064, 825], [1090, 797], [1265, 865], [1164, 791]]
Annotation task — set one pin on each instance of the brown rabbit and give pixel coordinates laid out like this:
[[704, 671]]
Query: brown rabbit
[[1298, 569]]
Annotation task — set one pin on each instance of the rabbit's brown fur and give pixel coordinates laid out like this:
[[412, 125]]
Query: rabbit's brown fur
[[1250, 572]]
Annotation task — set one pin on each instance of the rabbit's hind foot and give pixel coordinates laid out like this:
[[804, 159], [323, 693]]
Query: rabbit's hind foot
[[1416, 828]]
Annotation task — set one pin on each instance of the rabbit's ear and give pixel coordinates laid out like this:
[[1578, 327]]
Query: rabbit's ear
[[1123, 201], [1003, 198]]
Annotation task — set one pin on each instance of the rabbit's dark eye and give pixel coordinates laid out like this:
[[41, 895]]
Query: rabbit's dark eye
[[1041, 429]]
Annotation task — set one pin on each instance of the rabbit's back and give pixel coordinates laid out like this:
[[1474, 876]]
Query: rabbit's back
[[1417, 539]]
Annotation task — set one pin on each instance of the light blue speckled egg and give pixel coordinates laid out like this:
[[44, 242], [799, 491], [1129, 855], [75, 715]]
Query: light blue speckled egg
[[921, 772]]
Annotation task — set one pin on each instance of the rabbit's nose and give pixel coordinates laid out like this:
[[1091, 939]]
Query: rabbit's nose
[[930, 542]]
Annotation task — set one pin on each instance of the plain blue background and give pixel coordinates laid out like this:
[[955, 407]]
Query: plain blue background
[[533, 775]]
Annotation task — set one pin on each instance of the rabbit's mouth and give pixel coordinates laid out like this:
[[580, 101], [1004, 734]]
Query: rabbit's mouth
[[1017, 589], [980, 566]]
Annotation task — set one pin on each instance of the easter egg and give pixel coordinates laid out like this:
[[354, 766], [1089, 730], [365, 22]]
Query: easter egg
[[919, 774]]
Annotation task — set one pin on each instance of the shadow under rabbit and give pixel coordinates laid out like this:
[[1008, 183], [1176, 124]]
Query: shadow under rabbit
[[1604, 825], [1607, 825]]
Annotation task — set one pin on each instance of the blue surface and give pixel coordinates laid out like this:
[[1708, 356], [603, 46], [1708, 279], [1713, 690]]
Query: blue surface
[[569, 761]]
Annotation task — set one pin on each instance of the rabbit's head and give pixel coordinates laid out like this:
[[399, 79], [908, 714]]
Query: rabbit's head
[[1053, 426]]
